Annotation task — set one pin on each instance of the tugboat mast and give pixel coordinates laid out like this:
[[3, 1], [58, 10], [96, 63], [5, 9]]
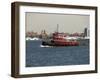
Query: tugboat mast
[[57, 28]]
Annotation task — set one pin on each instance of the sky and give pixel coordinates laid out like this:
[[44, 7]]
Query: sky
[[68, 23]]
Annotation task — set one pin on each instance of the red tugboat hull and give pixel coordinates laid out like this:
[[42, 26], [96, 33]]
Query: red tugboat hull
[[67, 44], [52, 43]]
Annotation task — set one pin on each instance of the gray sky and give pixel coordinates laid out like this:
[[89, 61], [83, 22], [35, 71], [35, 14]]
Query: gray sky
[[67, 23]]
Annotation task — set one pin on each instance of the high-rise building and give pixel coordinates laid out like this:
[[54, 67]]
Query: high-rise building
[[86, 32]]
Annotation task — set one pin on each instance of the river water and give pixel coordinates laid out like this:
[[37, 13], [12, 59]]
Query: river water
[[37, 56]]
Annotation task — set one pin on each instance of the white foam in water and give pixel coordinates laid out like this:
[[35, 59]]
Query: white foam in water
[[45, 46]]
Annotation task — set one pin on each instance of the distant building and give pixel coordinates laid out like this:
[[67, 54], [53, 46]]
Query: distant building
[[86, 32], [31, 34], [43, 34]]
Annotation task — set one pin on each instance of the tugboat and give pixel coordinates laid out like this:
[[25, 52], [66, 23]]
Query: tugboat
[[60, 39]]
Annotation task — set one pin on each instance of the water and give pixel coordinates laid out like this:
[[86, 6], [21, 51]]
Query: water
[[37, 56]]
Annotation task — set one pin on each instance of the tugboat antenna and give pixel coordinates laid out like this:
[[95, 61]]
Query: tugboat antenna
[[57, 27]]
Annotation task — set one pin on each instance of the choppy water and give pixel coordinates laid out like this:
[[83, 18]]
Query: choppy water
[[55, 56]]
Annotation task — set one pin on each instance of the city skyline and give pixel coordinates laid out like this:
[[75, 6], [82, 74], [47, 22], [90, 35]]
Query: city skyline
[[68, 23]]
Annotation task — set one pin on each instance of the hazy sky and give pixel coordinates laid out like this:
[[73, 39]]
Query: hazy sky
[[67, 23]]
